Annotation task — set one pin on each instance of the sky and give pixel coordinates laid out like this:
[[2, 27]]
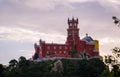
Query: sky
[[24, 22]]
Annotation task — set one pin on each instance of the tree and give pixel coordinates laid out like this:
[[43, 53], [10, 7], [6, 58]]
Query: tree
[[22, 58], [113, 61], [92, 67], [114, 58], [65, 68], [36, 56], [106, 72], [115, 71], [12, 71], [12, 64], [23, 61], [116, 20], [2, 69], [58, 66], [83, 68]]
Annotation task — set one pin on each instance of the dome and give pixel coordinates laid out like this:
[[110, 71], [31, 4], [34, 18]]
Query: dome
[[88, 40]]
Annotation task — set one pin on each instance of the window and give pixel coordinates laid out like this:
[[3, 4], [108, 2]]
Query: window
[[64, 52], [60, 52], [60, 47], [48, 47], [69, 34], [47, 52], [40, 52], [76, 32], [65, 47], [54, 47]]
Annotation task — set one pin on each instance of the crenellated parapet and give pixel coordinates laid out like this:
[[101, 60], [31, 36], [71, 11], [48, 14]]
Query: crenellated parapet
[[73, 22]]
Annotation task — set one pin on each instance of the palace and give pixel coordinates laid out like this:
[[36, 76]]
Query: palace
[[86, 45]]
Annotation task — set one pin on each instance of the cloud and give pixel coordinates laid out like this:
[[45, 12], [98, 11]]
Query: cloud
[[11, 49], [80, 1], [46, 4], [27, 53], [19, 34], [110, 5], [42, 4], [55, 4], [113, 1], [109, 40]]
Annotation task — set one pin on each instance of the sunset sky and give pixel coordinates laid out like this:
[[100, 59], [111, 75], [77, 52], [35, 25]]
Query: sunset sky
[[24, 22]]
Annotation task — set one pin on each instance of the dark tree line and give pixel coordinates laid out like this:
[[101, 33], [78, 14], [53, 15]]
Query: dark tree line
[[71, 68]]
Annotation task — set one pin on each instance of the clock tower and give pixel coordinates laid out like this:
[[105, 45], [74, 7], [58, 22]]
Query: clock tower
[[72, 32]]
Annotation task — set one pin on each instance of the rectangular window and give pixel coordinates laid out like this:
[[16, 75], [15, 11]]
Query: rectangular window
[[65, 47], [64, 52], [60, 47], [60, 52], [54, 47], [47, 52], [48, 47]]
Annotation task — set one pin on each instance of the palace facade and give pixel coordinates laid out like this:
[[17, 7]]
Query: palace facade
[[86, 45]]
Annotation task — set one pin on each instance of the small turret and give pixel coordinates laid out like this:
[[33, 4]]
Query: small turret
[[36, 47]]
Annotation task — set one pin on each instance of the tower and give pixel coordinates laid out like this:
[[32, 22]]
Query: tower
[[72, 32]]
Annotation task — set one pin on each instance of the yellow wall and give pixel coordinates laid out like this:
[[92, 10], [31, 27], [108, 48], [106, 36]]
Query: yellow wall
[[96, 44]]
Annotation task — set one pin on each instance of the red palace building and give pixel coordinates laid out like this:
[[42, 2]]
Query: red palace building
[[87, 44]]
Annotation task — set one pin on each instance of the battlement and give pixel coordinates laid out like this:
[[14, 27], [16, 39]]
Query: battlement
[[73, 22]]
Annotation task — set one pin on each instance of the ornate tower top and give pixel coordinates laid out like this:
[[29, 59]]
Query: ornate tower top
[[73, 32], [73, 22]]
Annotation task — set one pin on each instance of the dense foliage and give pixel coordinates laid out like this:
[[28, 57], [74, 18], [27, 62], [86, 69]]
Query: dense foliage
[[71, 68], [113, 63]]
